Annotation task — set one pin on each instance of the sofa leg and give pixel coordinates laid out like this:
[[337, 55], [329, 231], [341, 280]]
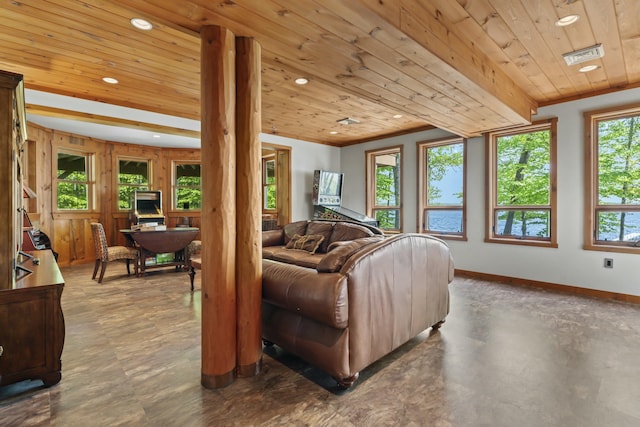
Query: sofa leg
[[438, 325], [345, 383], [267, 343]]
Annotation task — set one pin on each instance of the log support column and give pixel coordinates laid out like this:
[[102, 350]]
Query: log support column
[[249, 199], [231, 207], [218, 230]]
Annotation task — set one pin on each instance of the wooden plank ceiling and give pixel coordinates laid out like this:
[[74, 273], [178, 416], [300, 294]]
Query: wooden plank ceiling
[[466, 66]]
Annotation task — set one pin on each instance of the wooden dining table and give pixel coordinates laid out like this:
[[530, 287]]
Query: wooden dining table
[[153, 242]]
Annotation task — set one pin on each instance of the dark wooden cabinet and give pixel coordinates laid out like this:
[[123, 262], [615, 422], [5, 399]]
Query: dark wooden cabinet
[[32, 324]]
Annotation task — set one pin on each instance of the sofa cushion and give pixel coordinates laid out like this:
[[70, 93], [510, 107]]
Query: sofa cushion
[[303, 291], [344, 231], [269, 251], [294, 257], [308, 242], [298, 227], [335, 259], [272, 238], [324, 228]]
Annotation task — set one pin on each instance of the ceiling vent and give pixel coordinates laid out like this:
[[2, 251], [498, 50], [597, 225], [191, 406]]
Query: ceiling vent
[[347, 121], [584, 55]]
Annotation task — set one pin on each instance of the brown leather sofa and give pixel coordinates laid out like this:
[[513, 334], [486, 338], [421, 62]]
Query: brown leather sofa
[[345, 302]]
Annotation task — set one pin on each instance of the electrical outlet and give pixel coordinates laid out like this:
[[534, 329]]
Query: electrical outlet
[[608, 263]]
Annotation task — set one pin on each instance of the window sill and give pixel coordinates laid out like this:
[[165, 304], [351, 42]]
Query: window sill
[[612, 248], [523, 242], [65, 214], [456, 237], [391, 232]]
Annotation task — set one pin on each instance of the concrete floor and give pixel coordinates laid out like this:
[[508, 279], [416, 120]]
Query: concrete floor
[[507, 356]]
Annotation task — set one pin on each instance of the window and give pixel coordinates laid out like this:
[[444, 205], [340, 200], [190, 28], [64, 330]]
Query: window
[[269, 187], [442, 169], [384, 187], [187, 186], [521, 185], [73, 182], [133, 174], [612, 146]]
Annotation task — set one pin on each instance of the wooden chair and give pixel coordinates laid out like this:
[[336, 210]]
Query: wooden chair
[[106, 254], [194, 260], [194, 263]]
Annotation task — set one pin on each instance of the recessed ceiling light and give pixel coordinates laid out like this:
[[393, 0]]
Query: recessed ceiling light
[[156, 136], [567, 20], [141, 24], [397, 116], [301, 81], [110, 80], [333, 132], [588, 68]]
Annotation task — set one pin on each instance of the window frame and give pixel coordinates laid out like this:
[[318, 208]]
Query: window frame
[[175, 186], [90, 182], [265, 159], [591, 168], [422, 149], [148, 186], [371, 207], [491, 186]]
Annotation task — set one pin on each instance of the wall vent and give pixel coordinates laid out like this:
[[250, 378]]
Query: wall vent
[[347, 121], [584, 55]]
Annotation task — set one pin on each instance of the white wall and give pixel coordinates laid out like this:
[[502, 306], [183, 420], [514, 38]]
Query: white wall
[[306, 157], [569, 264], [353, 167]]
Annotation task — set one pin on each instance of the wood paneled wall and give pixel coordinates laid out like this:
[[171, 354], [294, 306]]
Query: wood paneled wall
[[69, 231]]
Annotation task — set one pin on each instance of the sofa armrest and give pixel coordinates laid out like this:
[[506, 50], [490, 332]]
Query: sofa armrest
[[273, 238], [397, 288], [301, 290], [340, 252]]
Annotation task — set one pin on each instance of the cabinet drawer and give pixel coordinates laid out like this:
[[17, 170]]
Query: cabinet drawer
[[22, 336]]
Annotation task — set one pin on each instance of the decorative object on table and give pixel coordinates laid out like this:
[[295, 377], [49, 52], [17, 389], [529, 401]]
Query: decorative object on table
[[146, 208]]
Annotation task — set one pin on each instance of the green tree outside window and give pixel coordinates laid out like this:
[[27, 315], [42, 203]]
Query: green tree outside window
[[188, 186], [387, 193], [523, 183], [72, 182], [618, 179], [269, 187], [443, 211], [132, 175]]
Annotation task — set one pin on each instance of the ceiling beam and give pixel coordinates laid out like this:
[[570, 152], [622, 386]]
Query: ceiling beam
[[60, 113], [454, 55]]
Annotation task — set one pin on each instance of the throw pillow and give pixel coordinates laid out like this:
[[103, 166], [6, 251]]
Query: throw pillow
[[308, 242], [298, 227], [323, 228]]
